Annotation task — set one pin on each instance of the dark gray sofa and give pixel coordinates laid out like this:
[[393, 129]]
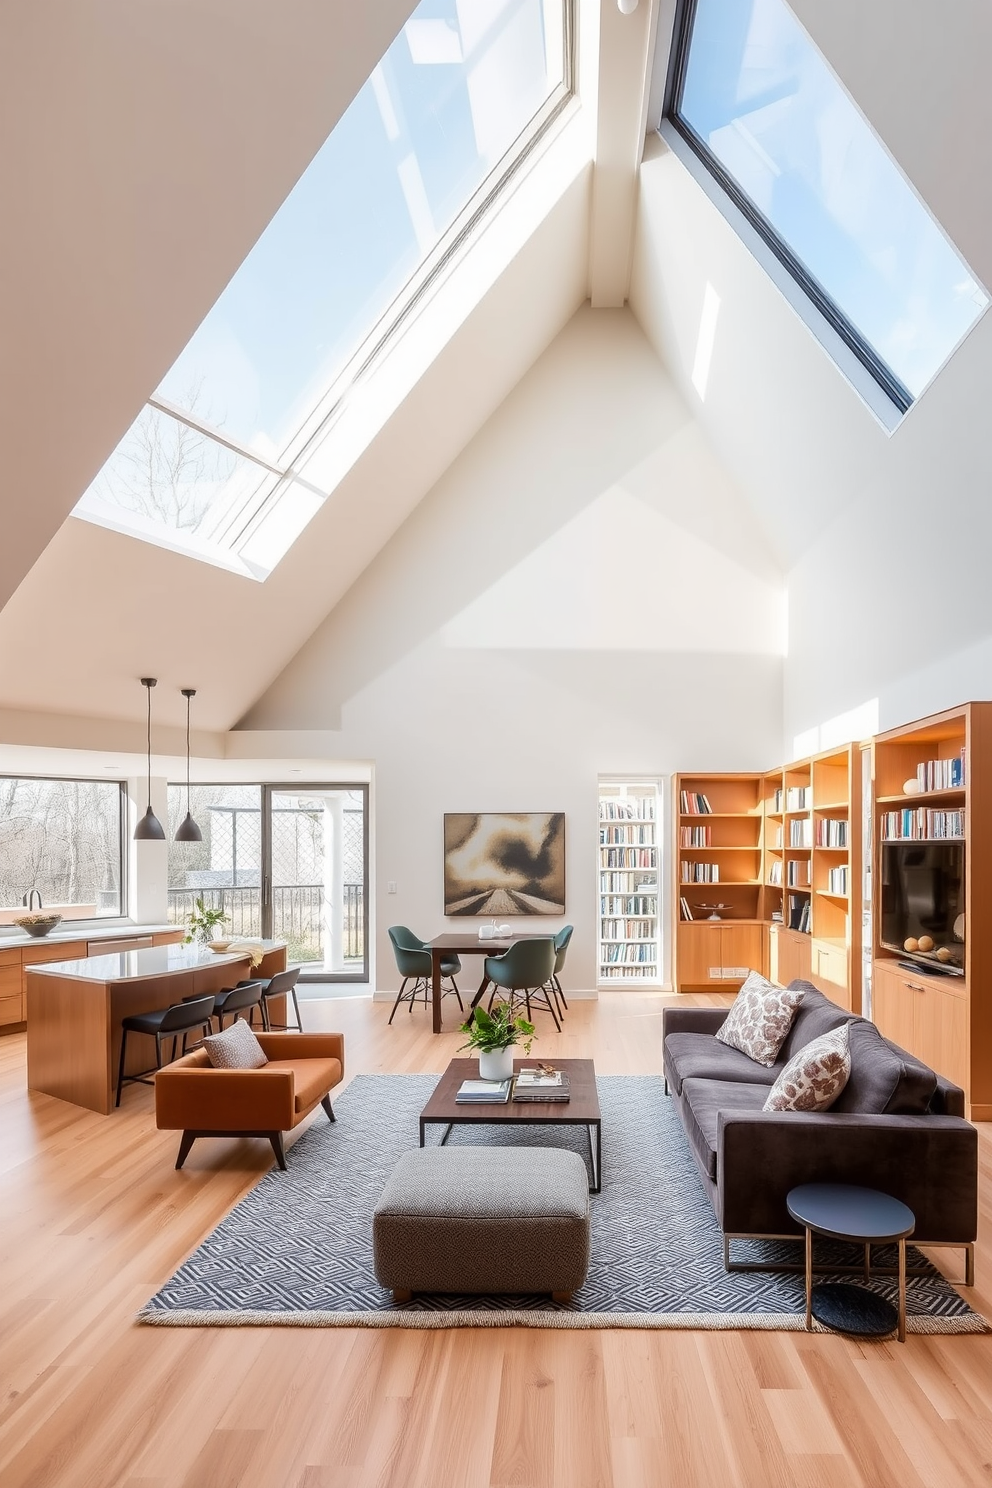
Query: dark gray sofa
[[897, 1127]]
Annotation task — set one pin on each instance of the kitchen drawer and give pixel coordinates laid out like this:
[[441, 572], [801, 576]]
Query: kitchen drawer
[[11, 1009], [125, 943], [10, 980], [11, 956], [60, 951]]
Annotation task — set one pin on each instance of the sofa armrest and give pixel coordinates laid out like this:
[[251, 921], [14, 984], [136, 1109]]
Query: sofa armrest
[[692, 1019], [194, 1098], [929, 1162], [303, 1046]]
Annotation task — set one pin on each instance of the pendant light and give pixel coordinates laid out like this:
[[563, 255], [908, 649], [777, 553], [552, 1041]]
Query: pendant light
[[149, 828], [188, 829]]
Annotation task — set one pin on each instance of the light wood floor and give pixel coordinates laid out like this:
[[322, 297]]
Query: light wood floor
[[94, 1218]]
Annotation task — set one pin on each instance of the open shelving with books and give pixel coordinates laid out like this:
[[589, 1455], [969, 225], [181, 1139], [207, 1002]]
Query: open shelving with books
[[630, 946], [717, 857], [932, 870], [794, 829]]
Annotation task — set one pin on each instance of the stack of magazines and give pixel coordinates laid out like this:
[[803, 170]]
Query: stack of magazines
[[541, 1085], [483, 1093]]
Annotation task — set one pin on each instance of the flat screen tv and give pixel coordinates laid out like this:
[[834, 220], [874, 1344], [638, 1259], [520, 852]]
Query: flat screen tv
[[923, 895]]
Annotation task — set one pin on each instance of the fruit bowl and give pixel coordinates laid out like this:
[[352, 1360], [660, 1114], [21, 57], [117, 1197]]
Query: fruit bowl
[[218, 945], [38, 924]]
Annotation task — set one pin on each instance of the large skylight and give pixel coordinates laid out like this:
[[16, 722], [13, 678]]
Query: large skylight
[[459, 95], [758, 103]]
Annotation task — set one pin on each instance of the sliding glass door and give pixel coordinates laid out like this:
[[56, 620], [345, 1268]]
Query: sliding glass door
[[314, 887], [286, 862]]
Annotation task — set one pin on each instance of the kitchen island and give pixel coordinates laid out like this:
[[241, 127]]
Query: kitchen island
[[74, 1011]]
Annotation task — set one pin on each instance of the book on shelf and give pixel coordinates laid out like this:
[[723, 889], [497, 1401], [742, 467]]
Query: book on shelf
[[684, 907], [837, 880], [694, 803], [638, 809], [483, 1093], [775, 873], [801, 833], [799, 914], [942, 774], [701, 873], [797, 876], [921, 824], [696, 837], [831, 833], [776, 916], [777, 801]]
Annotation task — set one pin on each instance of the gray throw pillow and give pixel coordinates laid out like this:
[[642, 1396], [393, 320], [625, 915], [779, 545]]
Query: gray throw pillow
[[236, 1048]]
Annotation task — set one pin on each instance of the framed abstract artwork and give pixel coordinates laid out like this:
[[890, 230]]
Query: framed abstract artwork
[[504, 863]]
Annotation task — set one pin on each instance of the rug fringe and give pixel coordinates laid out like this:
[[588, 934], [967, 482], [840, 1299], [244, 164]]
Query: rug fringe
[[698, 1321]]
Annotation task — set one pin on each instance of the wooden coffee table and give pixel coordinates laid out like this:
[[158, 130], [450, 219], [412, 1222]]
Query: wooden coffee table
[[581, 1110]]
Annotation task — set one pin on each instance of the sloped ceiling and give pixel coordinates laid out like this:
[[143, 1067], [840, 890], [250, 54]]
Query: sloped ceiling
[[146, 147], [166, 139]]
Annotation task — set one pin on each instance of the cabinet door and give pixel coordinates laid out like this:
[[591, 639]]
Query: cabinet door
[[741, 950], [828, 971], [699, 954], [793, 956], [952, 1023], [894, 1008]]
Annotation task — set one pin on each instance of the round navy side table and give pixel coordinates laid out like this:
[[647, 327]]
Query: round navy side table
[[842, 1211]]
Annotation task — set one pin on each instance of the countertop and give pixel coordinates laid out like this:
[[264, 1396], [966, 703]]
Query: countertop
[[129, 966], [94, 930]]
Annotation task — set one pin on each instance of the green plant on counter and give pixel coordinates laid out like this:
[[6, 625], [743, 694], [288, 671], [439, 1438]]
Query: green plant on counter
[[488, 1032], [203, 922]]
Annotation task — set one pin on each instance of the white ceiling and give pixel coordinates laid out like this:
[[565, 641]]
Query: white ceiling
[[163, 138]]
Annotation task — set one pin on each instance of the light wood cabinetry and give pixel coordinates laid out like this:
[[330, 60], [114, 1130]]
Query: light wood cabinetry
[[932, 876], [15, 960], [781, 849], [718, 851]]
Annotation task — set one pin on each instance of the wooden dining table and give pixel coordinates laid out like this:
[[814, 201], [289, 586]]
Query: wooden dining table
[[465, 943]]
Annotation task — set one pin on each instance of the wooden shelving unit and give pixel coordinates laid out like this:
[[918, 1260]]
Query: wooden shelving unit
[[801, 844], [945, 1020], [725, 938], [629, 884]]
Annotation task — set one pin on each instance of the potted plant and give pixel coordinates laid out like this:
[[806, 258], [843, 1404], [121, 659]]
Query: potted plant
[[495, 1035], [203, 922]]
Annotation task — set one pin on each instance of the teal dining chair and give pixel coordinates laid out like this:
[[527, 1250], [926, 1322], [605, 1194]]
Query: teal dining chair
[[413, 962], [524, 973], [561, 948]]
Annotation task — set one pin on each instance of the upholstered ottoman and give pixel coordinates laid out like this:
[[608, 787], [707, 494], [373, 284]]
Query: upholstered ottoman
[[483, 1219]]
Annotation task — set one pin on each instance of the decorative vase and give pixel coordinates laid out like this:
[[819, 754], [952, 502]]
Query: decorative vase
[[496, 1064]]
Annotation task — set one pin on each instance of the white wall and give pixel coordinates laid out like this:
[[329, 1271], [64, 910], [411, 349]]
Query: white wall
[[582, 593], [884, 537]]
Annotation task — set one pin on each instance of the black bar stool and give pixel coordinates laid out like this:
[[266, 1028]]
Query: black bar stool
[[181, 1018], [243, 998], [283, 984]]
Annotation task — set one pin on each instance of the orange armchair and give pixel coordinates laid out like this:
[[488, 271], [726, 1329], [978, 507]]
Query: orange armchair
[[200, 1101]]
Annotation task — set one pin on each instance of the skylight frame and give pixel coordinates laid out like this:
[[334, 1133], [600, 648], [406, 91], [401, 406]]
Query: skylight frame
[[236, 526], [879, 386]]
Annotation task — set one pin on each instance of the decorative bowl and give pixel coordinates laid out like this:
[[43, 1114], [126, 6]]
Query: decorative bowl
[[218, 945], [38, 924]]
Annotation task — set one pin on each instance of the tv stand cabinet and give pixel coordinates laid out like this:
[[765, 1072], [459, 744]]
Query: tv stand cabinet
[[944, 1020]]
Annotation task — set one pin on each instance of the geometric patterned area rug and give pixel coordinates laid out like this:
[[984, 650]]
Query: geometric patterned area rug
[[297, 1249]]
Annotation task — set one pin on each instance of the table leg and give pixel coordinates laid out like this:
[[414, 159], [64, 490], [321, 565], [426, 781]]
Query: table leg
[[436, 986], [809, 1279], [595, 1155], [867, 1261], [480, 994], [902, 1291]]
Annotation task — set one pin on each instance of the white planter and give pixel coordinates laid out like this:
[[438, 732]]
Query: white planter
[[496, 1064]]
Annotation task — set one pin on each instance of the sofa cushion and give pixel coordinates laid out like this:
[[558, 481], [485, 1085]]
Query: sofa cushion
[[884, 1079], [817, 1015], [814, 1078], [702, 1102], [236, 1048], [760, 1018], [312, 1079], [702, 1056]]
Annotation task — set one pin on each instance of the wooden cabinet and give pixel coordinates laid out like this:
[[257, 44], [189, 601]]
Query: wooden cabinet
[[14, 961], [789, 955], [718, 954], [932, 878], [926, 1016]]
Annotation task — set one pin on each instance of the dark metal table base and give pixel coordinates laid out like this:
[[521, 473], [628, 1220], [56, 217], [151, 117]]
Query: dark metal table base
[[853, 1310]]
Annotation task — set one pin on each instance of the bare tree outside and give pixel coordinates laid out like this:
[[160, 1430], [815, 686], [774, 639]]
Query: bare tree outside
[[63, 838]]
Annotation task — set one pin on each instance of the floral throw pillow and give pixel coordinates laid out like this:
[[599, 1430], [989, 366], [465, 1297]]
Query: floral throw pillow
[[814, 1078], [760, 1018]]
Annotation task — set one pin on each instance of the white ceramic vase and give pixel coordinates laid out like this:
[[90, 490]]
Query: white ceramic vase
[[496, 1064]]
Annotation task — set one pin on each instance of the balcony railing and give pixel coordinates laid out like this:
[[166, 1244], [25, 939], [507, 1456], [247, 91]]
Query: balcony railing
[[297, 913]]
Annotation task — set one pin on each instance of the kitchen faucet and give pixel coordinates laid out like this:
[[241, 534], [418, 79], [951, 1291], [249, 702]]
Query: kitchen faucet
[[28, 899]]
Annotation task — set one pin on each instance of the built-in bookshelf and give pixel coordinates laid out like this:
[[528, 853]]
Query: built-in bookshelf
[[932, 878], [630, 943], [786, 852], [717, 870]]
